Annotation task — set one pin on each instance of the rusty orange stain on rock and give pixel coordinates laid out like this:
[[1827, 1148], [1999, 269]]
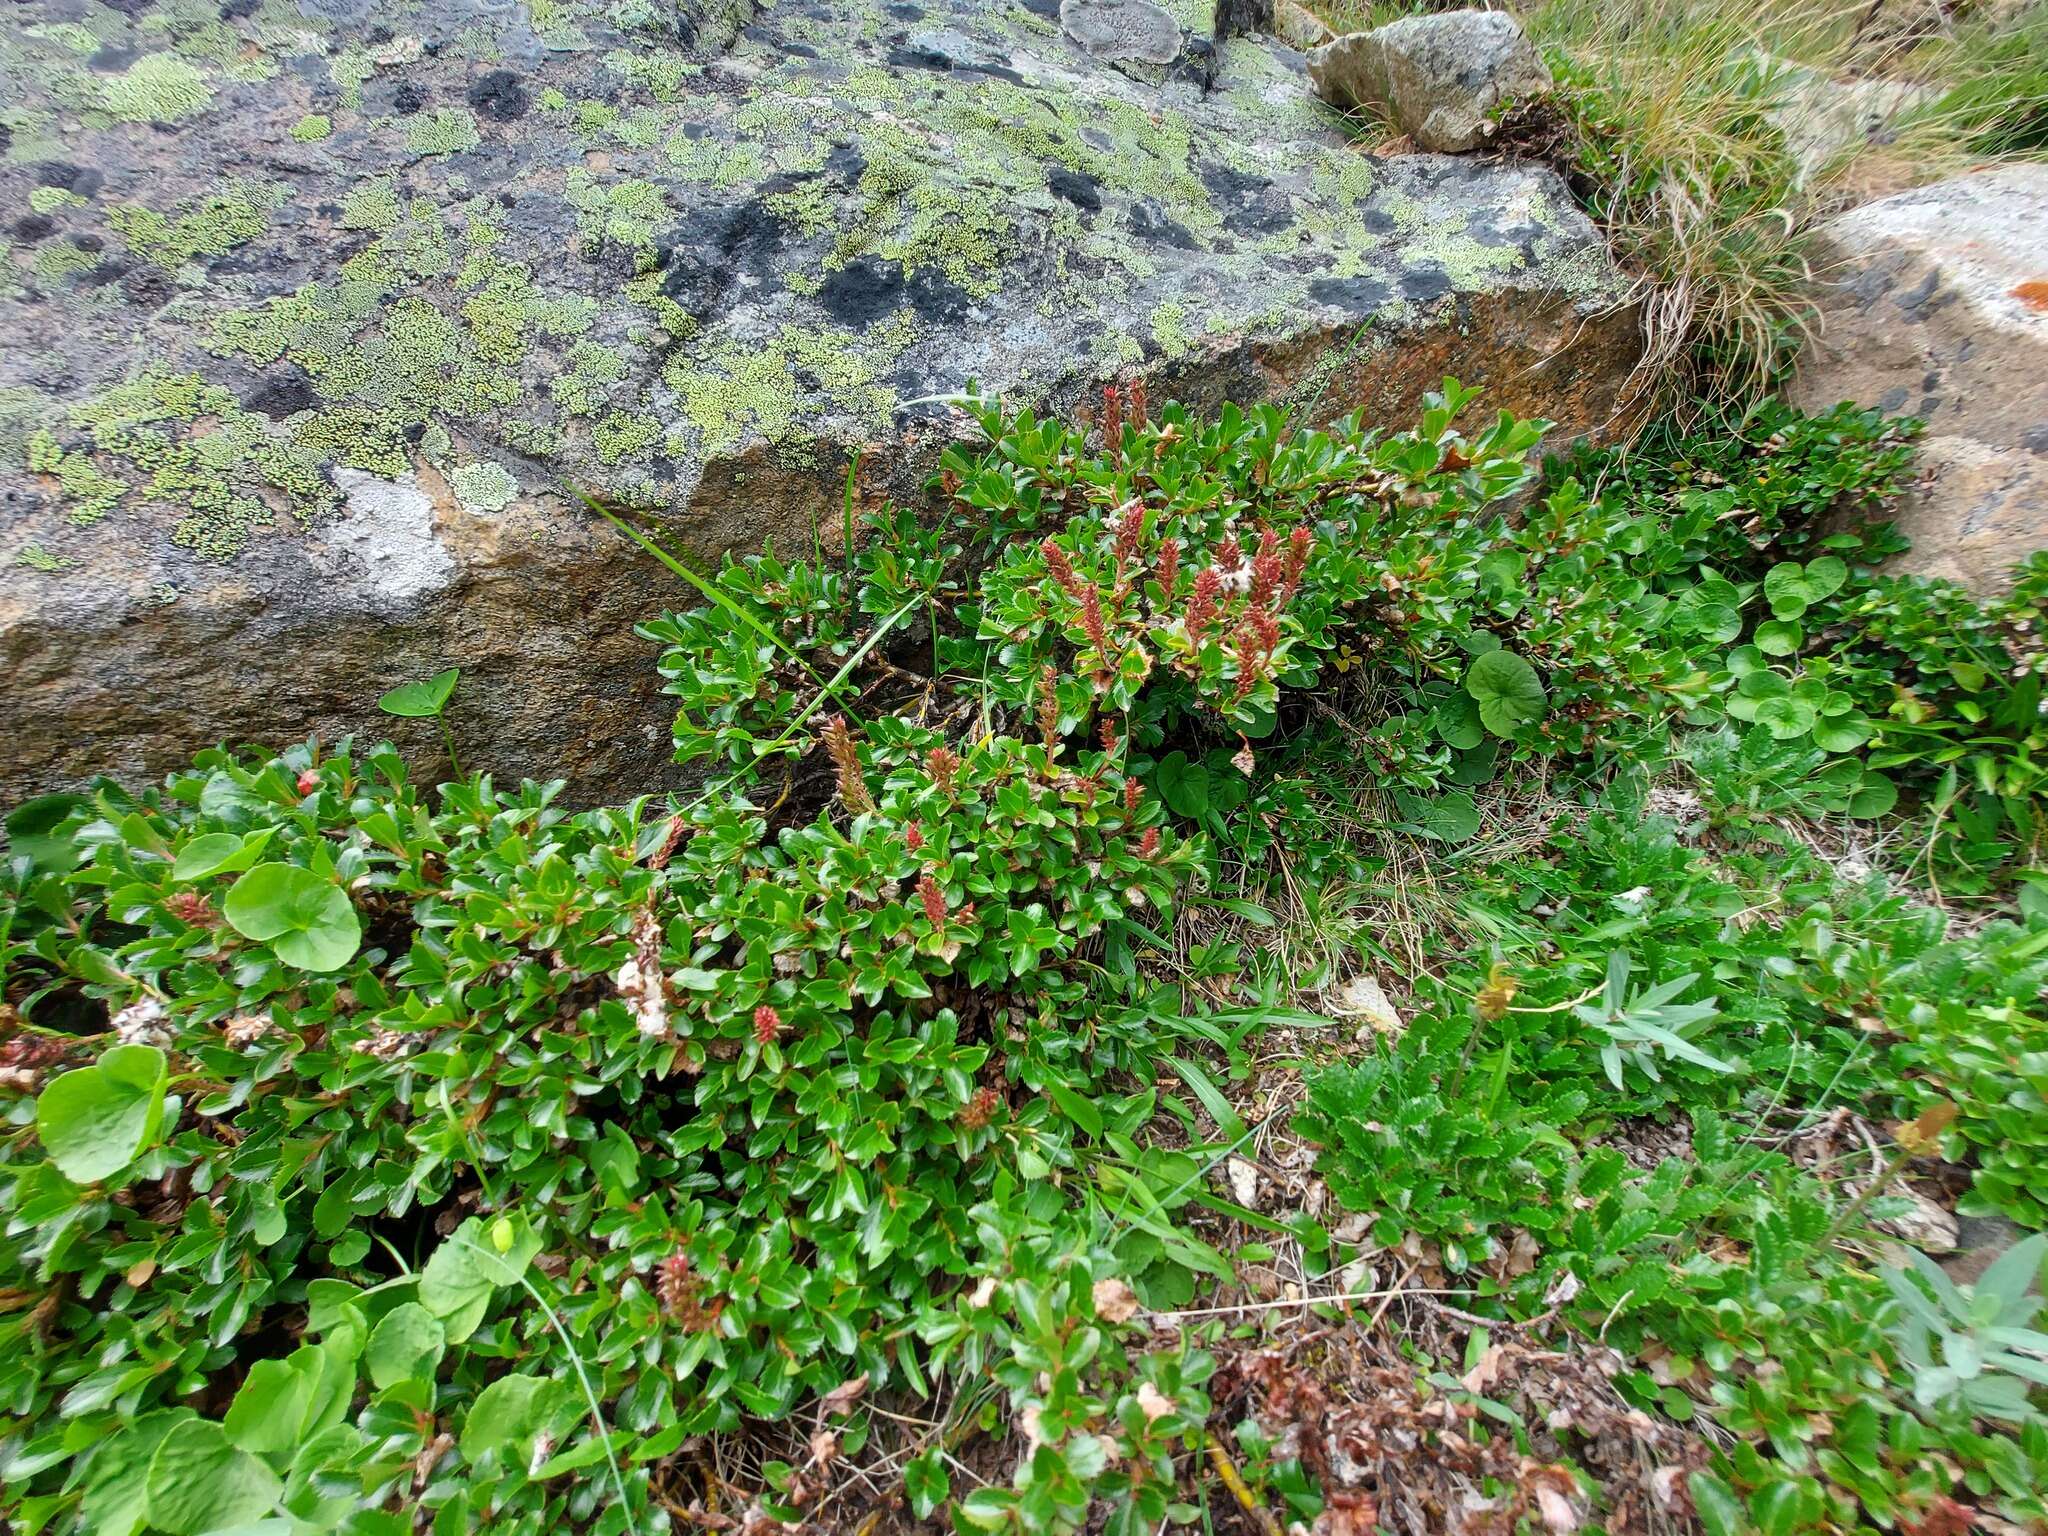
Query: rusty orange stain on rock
[[2033, 293]]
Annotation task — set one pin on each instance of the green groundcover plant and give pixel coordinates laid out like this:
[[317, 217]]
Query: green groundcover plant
[[378, 1160]]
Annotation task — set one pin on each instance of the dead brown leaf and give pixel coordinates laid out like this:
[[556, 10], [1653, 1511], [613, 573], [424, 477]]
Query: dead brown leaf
[[1115, 1302]]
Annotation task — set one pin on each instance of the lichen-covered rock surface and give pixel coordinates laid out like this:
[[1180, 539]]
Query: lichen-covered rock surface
[[311, 310], [1935, 303]]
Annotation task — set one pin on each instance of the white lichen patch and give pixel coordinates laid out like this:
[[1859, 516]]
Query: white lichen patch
[[388, 526]]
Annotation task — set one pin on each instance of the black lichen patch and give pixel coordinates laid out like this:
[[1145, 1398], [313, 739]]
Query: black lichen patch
[[68, 177], [1198, 64], [1250, 204], [1149, 222], [869, 290], [148, 288], [31, 227], [499, 96], [1077, 187], [408, 99], [703, 266], [1425, 283], [283, 393], [846, 165], [235, 10], [1359, 295]]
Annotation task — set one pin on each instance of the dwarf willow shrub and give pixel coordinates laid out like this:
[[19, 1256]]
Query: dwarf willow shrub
[[376, 1161], [732, 1101]]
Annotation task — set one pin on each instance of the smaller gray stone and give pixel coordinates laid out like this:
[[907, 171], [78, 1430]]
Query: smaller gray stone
[[1824, 119], [1435, 78], [1980, 1240], [1299, 27], [1122, 31]]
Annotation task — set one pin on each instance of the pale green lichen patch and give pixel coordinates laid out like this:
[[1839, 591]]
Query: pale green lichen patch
[[161, 88], [34, 557], [623, 436], [189, 446], [61, 260], [582, 386], [371, 205], [211, 226], [1169, 327], [486, 487], [624, 212], [444, 131], [350, 69], [313, 127], [737, 390]]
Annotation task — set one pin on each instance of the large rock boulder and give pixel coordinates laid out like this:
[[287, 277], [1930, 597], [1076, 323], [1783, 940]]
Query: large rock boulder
[[1935, 302], [1437, 78], [314, 311]]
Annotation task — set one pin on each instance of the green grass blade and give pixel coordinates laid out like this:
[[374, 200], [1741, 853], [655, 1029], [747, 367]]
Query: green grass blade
[[1229, 1124]]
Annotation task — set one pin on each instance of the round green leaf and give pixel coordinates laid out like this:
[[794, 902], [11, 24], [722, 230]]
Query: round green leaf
[[32, 832], [422, 700], [1842, 733], [1457, 722], [218, 851], [1785, 717], [1507, 691], [1785, 589], [203, 855], [1720, 1511], [1184, 786], [308, 921], [198, 1481], [1716, 622], [1824, 577], [1779, 637], [460, 1276], [1874, 798], [117, 1498], [1475, 766], [1449, 818], [509, 1412], [407, 1343], [97, 1120], [927, 1482], [1744, 660]]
